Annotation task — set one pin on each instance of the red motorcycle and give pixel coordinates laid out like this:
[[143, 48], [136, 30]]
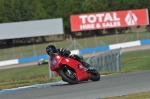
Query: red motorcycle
[[71, 70]]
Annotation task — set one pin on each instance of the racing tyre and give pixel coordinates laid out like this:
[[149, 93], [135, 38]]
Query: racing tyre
[[95, 75], [68, 75]]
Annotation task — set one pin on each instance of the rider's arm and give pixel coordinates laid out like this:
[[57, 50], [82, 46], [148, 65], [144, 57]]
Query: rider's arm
[[63, 52]]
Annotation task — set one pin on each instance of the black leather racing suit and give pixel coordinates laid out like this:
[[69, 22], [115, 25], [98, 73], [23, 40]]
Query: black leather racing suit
[[66, 53]]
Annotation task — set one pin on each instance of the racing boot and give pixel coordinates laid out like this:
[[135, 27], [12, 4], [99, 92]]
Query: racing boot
[[87, 66]]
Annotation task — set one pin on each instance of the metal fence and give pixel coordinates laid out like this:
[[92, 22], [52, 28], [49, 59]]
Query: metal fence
[[38, 49], [107, 61]]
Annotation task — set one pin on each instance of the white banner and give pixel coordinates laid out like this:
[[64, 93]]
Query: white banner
[[31, 28]]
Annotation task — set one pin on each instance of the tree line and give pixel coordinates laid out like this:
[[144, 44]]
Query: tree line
[[26, 10]]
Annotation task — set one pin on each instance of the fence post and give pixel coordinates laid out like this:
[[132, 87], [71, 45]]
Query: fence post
[[51, 73], [75, 43], [34, 50], [21, 55], [95, 41], [85, 42], [117, 41], [103, 62], [13, 51]]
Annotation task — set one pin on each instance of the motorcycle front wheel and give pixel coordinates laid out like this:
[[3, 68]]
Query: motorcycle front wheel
[[68, 75]]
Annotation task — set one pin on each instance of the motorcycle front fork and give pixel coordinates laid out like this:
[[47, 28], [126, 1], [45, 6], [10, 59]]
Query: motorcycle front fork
[[69, 72]]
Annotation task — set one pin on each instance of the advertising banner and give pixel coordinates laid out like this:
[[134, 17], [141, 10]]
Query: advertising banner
[[92, 21]]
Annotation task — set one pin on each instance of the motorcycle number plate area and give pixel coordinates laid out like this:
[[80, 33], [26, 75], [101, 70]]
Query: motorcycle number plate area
[[54, 63]]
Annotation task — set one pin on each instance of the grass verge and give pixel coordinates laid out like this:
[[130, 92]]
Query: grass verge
[[142, 95]]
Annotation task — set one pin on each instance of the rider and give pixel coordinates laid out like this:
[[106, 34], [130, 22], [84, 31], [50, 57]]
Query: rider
[[51, 50]]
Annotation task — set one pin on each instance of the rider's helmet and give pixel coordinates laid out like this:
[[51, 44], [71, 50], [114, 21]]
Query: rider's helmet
[[51, 49]]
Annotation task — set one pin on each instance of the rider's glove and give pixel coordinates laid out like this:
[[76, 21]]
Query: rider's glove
[[75, 56], [64, 52]]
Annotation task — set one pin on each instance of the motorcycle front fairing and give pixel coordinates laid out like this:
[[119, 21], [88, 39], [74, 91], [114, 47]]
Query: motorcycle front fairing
[[81, 74], [55, 62], [58, 61]]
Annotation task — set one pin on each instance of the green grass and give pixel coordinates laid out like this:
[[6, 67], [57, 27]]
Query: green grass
[[136, 61], [10, 78], [23, 73], [17, 77], [143, 95]]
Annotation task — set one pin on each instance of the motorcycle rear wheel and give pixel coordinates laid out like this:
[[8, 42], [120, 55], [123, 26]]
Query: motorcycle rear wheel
[[70, 78]]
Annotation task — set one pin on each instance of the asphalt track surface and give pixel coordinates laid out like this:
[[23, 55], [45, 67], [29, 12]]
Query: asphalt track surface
[[108, 86]]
